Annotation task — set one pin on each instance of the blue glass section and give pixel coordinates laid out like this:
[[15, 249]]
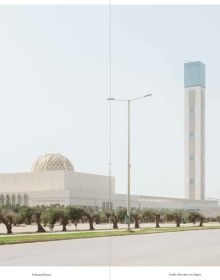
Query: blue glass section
[[194, 74]]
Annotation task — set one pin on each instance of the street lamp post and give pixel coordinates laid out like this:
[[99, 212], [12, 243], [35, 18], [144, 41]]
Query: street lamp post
[[129, 153], [129, 169]]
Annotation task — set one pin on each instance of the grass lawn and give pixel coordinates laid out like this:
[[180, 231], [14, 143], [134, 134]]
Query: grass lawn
[[28, 238]]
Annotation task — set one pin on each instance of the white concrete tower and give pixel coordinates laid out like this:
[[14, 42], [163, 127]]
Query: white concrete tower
[[194, 83]]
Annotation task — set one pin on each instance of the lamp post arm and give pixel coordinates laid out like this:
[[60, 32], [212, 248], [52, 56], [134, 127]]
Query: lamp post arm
[[141, 97], [132, 99]]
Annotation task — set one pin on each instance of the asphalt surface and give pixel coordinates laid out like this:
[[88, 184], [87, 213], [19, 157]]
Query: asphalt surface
[[192, 248]]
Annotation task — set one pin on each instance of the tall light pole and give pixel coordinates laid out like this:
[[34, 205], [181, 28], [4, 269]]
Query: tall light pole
[[129, 152]]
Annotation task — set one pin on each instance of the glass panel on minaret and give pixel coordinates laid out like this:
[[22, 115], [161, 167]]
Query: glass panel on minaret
[[194, 74]]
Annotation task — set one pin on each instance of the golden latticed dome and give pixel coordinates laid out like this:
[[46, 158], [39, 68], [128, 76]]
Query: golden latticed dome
[[52, 162]]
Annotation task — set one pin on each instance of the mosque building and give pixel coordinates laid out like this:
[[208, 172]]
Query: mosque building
[[53, 179]]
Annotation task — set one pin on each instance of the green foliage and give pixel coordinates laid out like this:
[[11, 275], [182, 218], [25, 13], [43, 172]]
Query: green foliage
[[136, 214], [174, 216], [193, 217], [26, 213], [64, 217], [53, 216], [148, 215], [75, 214], [50, 215], [7, 218], [92, 216], [105, 217], [121, 214]]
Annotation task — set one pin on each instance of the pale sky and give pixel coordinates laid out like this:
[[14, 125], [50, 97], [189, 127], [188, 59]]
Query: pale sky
[[54, 85]]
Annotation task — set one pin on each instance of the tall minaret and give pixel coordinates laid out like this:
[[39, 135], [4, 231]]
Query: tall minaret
[[194, 83]]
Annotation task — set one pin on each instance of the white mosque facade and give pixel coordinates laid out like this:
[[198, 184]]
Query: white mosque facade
[[53, 180]]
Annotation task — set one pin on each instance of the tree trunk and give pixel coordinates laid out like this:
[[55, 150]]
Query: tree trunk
[[115, 222], [38, 222], [75, 225], [64, 226], [157, 220], [201, 222], [115, 225], [91, 227], [136, 223], [40, 228], [177, 221], [9, 228]]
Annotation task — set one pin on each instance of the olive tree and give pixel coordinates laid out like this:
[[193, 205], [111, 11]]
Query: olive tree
[[174, 215], [193, 217], [7, 218]]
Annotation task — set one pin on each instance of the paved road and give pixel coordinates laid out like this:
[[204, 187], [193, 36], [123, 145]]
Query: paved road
[[193, 248]]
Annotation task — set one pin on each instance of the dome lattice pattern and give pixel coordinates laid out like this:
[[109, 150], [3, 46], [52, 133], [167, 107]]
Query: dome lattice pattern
[[52, 162]]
